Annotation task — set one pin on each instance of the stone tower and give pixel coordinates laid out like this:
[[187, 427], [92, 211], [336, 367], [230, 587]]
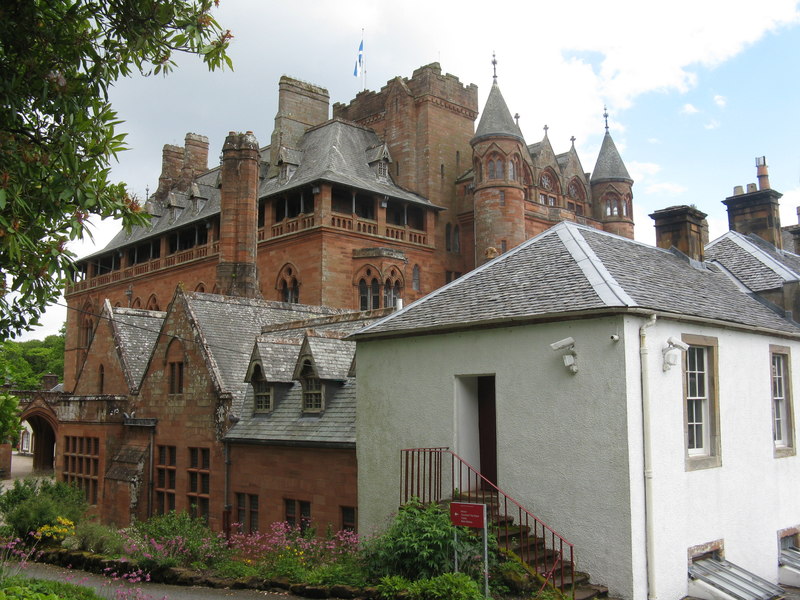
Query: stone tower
[[612, 190], [498, 154]]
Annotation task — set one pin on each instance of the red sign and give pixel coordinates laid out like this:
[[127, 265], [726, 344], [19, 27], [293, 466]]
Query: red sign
[[466, 514]]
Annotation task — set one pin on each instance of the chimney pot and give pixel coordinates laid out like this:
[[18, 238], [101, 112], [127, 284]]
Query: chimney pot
[[738, 190], [751, 187], [762, 172]]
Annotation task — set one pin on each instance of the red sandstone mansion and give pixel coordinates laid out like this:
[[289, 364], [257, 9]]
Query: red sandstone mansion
[[206, 366]]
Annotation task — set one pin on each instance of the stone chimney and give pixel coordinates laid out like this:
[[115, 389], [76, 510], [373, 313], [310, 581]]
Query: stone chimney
[[301, 105], [195, 156], [757, 210], [683, 227], [237, 274], [171, 169], [49, 381]]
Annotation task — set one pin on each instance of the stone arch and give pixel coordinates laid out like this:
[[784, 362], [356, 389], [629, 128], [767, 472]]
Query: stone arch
[[137, 303], [152, 303], [393, 286], [549, 180], [200, 287], [288, 284], [368, 282], [44, 425]]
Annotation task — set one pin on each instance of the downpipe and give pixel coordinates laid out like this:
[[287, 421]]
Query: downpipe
[[648, 454]]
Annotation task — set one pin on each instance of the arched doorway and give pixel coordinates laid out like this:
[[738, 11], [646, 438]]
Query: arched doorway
[[44, 427]]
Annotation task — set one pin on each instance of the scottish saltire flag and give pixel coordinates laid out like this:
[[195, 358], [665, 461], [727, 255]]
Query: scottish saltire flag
[[359, 60]]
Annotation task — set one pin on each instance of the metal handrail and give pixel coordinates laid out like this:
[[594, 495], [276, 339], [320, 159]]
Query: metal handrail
[[517, 529]]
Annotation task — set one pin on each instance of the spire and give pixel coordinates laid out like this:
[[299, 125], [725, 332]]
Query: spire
[[496, 119], [609, 164]]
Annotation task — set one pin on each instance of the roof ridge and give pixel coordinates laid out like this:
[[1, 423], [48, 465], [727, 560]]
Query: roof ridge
[[762, 256], [603, 283]]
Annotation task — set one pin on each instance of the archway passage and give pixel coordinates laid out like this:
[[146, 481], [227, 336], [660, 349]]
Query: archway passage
[[44, 443]]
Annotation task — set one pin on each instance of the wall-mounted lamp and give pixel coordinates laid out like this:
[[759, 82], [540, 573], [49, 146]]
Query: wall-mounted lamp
[[570, 358], [385, 202], [672, 351]]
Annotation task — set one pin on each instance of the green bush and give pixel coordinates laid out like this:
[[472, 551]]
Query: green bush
[[32, 503], [447, 586], [390, 586], [95, 537], [417, 545], [19, 588], [175, 538], [342, 573]]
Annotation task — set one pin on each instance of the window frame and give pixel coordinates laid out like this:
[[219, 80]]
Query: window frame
[[198, 482], [166, 477], [247, 508], [786, 445], [313, 389], [295, 510], [711, 454]]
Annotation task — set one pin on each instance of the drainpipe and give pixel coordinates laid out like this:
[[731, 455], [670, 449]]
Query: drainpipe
[[150, 475], [648, 466], [226, 517]]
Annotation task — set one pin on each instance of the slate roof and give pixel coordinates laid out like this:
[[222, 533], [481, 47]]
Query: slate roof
[[137, 331], [756, 263], [198, 204], [609, 165], [338, 152], [228, 327], [287, 424], [496, 119], [332, 357], [572, 269]]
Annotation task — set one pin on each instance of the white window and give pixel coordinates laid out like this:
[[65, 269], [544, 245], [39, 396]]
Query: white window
[[782, 414], [700, 406], [697, 401]]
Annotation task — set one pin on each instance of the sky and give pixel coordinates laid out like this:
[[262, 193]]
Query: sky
[[695, 90]]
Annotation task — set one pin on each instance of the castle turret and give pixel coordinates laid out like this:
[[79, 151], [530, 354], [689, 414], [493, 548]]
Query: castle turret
[[612, 191], [498, 149]]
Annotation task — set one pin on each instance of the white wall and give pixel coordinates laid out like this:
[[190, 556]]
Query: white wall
[[752, 494], [562, 438]]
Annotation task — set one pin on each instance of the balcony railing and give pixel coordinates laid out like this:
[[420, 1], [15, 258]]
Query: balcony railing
[[439, 475]]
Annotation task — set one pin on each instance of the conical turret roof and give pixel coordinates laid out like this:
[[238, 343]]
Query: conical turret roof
[[496, 119], [609, 163]]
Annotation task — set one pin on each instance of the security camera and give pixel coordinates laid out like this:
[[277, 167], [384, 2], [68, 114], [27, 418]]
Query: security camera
[[679, 344], [614, 337], [562, 344]]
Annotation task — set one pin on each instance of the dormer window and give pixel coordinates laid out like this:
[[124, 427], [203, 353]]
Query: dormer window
[[313, 397], [262, 392], [287, 170], [383, 169]]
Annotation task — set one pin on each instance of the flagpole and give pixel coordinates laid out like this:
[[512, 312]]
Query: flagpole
[[363, 65]]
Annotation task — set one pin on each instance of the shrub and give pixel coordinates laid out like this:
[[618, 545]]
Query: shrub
[[92, 536], [18, 588], [447, 586], [417, 545], [390, 586], [34, 503], [174, 539]]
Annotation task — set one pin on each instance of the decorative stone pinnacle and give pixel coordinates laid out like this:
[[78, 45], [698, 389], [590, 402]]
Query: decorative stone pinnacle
[[494, 66], [605, 116]]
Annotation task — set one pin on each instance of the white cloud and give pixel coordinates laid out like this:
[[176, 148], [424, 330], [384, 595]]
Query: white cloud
[[712, 124], [665, 188], [720, 101], [653, 140], [641, 171], [689, 109]]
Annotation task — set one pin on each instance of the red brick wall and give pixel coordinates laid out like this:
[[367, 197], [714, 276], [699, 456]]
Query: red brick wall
[[324, 477]]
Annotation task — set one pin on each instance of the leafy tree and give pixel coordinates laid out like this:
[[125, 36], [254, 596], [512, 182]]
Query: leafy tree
[[9, 418], [58, 132], [22, 364]]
